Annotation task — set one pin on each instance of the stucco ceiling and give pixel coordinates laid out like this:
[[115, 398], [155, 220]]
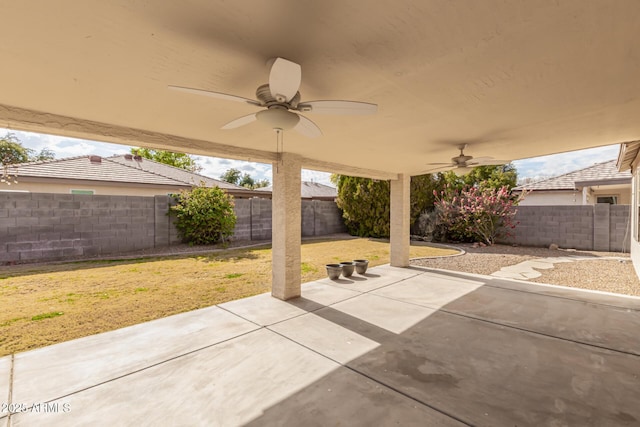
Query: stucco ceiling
[[513, 79]]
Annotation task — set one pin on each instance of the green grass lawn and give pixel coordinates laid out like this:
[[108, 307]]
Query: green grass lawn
[[50, 303]]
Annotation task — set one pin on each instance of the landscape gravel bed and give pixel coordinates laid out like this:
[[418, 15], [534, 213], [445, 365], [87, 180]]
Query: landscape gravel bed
[[611, 275]]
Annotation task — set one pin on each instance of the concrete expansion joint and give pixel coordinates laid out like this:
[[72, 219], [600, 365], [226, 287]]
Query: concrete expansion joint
[[12, 361]]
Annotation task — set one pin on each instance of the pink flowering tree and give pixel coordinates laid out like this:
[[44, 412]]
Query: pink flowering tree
[[476, 214]]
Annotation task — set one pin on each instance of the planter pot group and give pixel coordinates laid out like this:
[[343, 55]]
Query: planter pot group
[[346, 268]]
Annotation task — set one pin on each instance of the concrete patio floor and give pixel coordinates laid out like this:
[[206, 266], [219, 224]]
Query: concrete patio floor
[[395, 347]]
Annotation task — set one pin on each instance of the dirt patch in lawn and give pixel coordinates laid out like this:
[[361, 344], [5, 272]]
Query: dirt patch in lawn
[[50, 303]]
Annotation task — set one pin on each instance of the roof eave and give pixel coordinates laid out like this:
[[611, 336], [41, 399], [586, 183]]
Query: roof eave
[[627, 155], [612, 181]]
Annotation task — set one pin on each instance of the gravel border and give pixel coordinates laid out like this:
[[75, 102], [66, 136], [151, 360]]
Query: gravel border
[[615, 275]]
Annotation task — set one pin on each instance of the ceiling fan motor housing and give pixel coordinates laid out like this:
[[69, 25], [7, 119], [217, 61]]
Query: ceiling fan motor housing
[[264, 95], [461, 159]]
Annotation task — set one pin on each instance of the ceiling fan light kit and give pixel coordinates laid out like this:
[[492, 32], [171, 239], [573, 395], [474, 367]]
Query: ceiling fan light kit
[[461, 171], [281, 100], [278, 118]]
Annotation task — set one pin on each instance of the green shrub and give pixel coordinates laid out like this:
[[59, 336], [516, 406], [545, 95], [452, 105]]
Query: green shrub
[[365, 205], [204, 215], [365, 202]]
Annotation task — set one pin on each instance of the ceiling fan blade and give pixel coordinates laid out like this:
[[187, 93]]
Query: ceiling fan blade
[[307, 128], [486, 161], [240, 121], [338, 107], [284, 79], [217, 95], [444, 168]]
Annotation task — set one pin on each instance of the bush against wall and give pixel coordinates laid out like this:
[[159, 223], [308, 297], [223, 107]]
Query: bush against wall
[[365, 202], [204, 215], [365, 205], [476, 213]]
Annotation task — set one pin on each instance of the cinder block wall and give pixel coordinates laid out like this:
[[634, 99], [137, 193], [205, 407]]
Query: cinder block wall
[[327, 219], [620, 228], [599, 227], [43, 226], [261, 219], [39, 226]]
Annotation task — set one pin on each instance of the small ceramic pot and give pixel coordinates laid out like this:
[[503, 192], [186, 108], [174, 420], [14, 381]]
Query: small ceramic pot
[[334, 271], [347, 268], [361, 265]]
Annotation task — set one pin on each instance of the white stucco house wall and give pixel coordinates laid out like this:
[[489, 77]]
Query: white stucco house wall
[[628, 161], [599, 183]]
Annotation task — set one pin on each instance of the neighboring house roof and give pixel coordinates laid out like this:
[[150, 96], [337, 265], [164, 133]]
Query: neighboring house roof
[[605, 173], [117, 169], [311, 190], [171, 172]]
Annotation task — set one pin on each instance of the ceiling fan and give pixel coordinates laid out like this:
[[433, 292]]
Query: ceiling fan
[[281, 102], [463, 164]]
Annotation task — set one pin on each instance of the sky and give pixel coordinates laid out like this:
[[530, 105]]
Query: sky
[[535, 168]]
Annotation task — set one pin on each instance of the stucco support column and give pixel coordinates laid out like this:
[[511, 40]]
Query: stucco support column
[[287, 227], [400, 219]]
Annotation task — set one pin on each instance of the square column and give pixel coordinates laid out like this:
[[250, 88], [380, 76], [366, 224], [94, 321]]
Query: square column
[[400, 220], [287, 227]]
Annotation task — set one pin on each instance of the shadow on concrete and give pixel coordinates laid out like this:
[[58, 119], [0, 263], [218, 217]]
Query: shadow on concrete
[[493, 357]]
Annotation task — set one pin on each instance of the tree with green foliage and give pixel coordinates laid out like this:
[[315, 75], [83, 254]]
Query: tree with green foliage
[[365, 202], [232, 176], [13, 152], [261, 184], [422, 195], [178, 160], [494, 176], [204, 215], [44, 155], [247, 182], [236, 177], [365, 205]]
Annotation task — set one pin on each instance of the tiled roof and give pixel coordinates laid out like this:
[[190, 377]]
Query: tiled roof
[[600, 173], [311, 190], [117, 169], [171, 172]]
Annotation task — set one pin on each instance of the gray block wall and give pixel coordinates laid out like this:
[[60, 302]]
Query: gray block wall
[[38, 226], [243, 219], [601, 227], [328, 218], [44, 227], [261, 220], [620, 228]]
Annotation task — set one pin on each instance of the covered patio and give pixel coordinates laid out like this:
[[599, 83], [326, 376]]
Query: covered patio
[[511, 79], [398, 346]]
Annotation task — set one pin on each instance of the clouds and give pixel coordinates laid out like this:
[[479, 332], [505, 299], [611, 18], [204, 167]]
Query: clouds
[[559, 164], [64, 146], [211, 166], [536, 168]]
